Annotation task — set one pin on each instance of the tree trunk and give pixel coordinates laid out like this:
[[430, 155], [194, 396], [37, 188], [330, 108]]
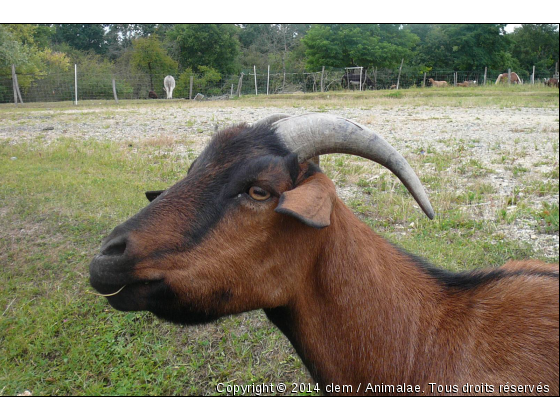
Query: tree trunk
[[150, 72]]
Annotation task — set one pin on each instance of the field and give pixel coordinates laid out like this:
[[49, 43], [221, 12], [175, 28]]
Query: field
[[488, 158]]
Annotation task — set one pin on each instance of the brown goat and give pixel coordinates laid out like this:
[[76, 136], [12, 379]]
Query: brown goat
[[552, 82], [463, 84], [255, 224], [436, 83]]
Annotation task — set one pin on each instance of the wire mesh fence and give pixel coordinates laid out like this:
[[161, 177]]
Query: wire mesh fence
[[44, 87]]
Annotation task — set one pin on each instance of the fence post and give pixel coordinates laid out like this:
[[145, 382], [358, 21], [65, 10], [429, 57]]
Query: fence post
[[15, 84], [361, 68], [75, 84], [115, 92], [255, 73], [191, 86], [533, 76], [399, 76], [424, 81], [485, 70], [509, 77], [239, 84], [322, 78], [231, 94], [267, 79]]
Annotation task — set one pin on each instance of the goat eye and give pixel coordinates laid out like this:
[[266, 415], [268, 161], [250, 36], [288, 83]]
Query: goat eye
[[259, 194]]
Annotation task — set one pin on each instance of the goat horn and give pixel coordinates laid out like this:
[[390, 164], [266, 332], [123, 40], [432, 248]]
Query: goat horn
[[311, 135], [271, 119]]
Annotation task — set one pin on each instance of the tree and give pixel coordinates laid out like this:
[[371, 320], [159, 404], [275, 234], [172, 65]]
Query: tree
[[12, 50], [271, 44], [535, 45], [149, 56], [460, 46], [83, 37], [476, 45], [119, 36], [211, 45], [343, 45]]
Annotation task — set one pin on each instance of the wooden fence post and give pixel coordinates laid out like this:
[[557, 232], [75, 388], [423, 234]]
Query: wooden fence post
[[239, 84], [267, 79], [361, 70], [191, 86], [424, 81], [115, 92], [485, 71], [533, 76], [509, 77], [399, 77], [75, 84], [255, 73], [14, 84], [322, 79]]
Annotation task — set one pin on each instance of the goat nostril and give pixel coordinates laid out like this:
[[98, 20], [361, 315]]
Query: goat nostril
[[114, 248]]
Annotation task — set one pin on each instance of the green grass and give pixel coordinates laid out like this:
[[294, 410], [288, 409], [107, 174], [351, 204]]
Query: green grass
[[58, 200], [520, 96]]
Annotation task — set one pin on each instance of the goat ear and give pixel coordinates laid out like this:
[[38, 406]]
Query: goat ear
[[152, 195], [311, 202]]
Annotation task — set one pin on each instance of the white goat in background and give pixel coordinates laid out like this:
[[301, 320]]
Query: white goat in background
[[168, 86]]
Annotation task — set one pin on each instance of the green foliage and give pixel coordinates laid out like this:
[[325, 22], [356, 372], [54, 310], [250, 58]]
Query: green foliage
[[138, 56], [535, 45], [212, 45], [83, 37], [277, 45], [368, 45], [12, 50], [149, 56], [203, 81], [21, 45], [460, 46]]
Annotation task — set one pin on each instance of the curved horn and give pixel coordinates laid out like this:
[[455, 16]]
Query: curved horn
[[270, 119], [311, 135]]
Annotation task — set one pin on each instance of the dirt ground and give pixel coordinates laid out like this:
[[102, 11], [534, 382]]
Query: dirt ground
[[499, 140]]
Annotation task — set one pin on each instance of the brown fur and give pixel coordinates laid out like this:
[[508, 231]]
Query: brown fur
[[503, 78], [356, 309], [552, 82], [436, 83], [379, 319]]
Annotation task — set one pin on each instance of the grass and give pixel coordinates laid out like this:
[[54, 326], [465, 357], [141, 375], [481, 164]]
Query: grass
[[58, 199], [516, 96]]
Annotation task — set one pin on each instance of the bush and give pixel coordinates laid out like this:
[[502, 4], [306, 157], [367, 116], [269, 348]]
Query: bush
[[206, 83]]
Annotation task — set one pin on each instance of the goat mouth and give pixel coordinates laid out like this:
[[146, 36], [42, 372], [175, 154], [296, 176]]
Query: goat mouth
[[127, 294]]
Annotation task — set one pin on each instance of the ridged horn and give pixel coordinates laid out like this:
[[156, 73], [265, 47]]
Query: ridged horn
[[271, 119], [311, 135]]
